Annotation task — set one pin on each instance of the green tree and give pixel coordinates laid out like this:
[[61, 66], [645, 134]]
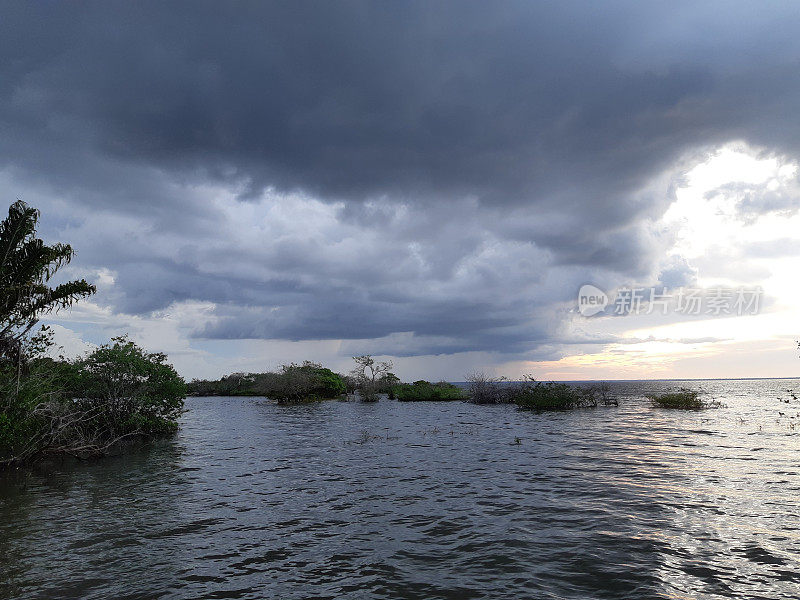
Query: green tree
[[368, 373], [27, 265], [132, 391]]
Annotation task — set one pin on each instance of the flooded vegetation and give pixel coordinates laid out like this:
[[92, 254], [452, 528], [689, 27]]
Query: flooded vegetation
[[251, 499], [684, 399]]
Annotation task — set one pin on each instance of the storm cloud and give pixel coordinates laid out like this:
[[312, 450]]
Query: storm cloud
[[434, 177]]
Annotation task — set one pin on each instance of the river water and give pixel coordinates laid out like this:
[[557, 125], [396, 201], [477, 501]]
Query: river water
[[428, 500]]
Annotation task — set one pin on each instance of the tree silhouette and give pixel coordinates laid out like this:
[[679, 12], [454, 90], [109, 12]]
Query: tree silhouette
[[26, 266]]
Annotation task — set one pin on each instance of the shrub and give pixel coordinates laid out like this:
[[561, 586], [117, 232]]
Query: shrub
[[129, 390], [683, 399], [422, 391], [386, 383], [24, 428], [602, 392], [483, 389], [536, 395], [86, 406], [308, 382], [293, 383]]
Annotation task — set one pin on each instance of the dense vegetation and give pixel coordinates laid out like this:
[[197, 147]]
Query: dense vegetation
[[421, 391], [536, 395], [483, 389], [81, 407], [291, 384], [683, 399], [86, 406], [307, 382]]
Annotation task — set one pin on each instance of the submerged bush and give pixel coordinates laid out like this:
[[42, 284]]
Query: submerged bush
[[537, 395], [128, 389], [684, 399], [483, 389], [86, 406], [422, 391], [235, 384], [293, 383], [308, 382]]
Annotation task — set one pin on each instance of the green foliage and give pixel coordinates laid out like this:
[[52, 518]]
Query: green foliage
[[136, 391], [80, 407], [306, 382], [386, 382], [84, 407], [685, 399], [421, 391], [534, 395], [26, 266], [235, 384], [537, 395], [23, 429], [294, 383]]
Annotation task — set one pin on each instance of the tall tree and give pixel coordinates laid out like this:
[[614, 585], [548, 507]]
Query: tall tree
[[367, 373], [27, 265]]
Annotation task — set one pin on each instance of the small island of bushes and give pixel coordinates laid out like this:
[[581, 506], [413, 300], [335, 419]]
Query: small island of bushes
[[425, 391], [682, 399]]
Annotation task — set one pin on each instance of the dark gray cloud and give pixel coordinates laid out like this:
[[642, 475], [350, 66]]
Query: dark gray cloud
[[480, 162]]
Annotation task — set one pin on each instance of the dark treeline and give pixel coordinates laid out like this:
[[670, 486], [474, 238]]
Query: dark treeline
[[311, 382], [291, 383], [306, 382]]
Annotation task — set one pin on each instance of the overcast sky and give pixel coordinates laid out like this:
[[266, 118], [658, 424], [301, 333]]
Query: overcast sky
[[251, 183]]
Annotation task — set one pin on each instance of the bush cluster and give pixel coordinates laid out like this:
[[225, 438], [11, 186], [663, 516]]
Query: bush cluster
[[534, 395], [483, 389], [291, 384], [683, 399], [422, 391], [538, 395], [86, 406]]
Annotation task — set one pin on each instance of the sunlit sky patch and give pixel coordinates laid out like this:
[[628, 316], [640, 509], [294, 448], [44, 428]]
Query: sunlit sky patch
[[724, 245]]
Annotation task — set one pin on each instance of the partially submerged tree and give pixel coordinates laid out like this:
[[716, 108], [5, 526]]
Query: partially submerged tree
[[485, 389], [26, 266], [368, 373], [136, 391], [307, 382], [86, 406]]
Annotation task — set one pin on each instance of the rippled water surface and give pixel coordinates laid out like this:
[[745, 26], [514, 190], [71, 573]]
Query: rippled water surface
[[428, 500]]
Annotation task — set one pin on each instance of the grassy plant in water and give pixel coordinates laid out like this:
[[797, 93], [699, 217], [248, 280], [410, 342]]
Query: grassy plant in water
[[424, 391], [537, 395], [683, 399]]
